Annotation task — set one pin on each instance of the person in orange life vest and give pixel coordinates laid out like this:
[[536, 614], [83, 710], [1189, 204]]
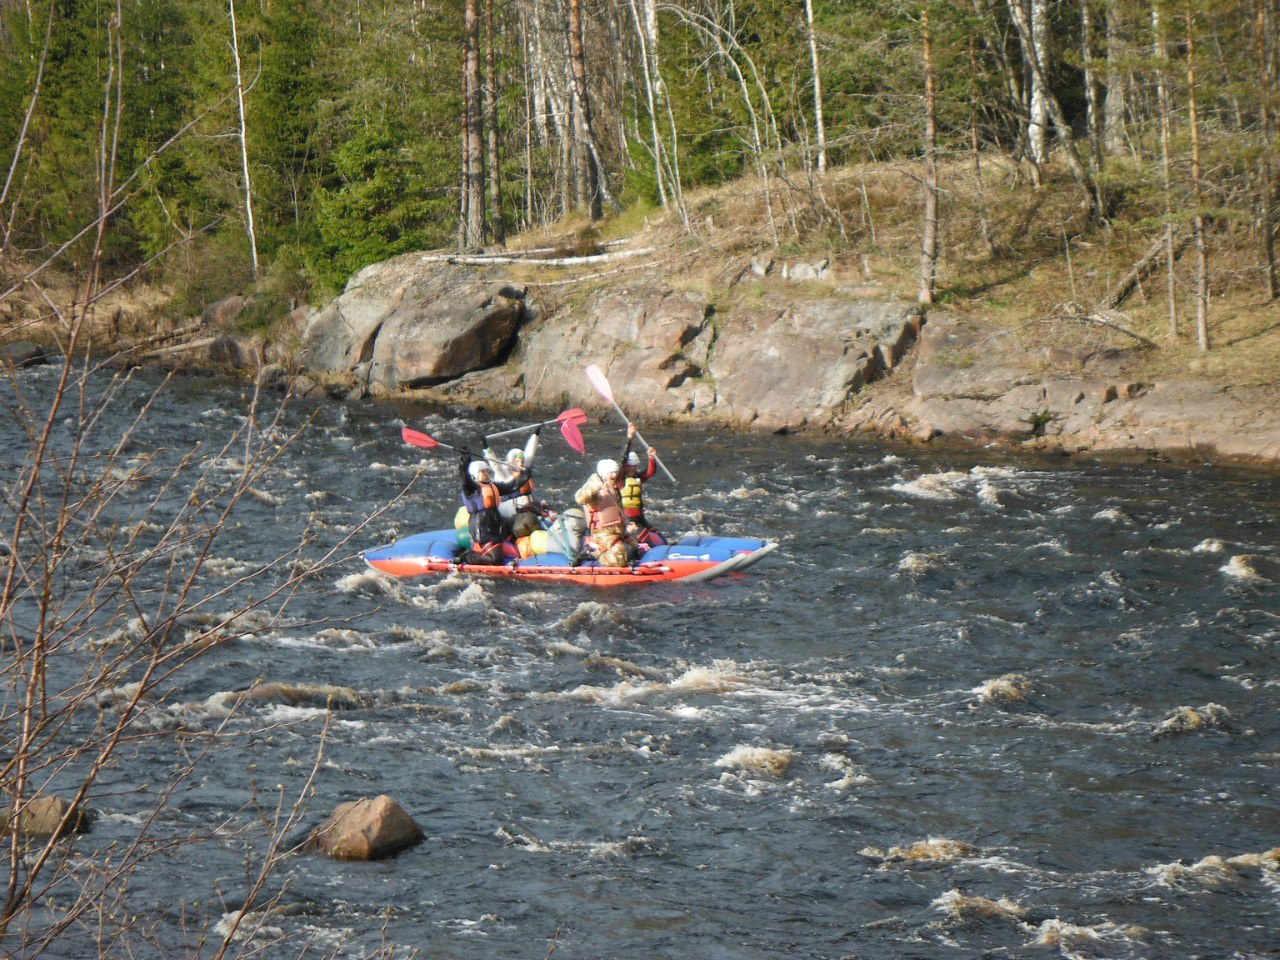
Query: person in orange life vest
[[601, 498], [482, 496], [505, 469], [632, 491]]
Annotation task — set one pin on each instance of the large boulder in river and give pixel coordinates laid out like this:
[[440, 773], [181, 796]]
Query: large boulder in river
[[367, 829], [47, 816]]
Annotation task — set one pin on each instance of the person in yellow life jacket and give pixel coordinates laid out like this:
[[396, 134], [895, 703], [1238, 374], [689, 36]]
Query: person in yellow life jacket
[[482, 496], [601, 498], [632, 491]]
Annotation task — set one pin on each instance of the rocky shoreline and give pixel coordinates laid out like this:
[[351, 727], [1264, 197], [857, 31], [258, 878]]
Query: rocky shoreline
[[779, 348]]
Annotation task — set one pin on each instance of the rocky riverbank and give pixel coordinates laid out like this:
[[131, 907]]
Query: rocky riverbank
[[780, 347], [760, 345]]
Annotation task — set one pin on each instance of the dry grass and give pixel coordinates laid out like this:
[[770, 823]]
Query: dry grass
[[1013, 255]]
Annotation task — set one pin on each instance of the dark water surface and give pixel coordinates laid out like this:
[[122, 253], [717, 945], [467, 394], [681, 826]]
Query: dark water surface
[[973, 706]]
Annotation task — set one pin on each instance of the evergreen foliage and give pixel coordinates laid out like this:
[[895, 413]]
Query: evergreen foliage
[[353, 114]]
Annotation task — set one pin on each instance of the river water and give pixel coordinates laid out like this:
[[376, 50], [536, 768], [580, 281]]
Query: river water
[[974, 705]]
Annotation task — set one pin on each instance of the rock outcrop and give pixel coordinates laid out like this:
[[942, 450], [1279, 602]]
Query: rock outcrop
[[964, 386], [776, 354], [786, 362]]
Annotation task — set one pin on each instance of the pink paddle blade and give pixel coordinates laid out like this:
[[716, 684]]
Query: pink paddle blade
[[576, 415], [572, 435], [598, 380], [416, 439]]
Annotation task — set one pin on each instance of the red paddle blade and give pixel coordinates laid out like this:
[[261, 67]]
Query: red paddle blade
[[416, 439], [598, 380], [572, 435], [575, 415]]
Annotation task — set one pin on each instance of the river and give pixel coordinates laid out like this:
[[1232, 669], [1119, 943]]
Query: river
[[974, 705]]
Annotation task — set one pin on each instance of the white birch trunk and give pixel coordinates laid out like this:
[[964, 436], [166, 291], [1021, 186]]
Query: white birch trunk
[[817, 88], [1039, 122], [244, 142]]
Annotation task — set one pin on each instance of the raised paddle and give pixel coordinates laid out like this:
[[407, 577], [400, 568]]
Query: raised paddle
[[575, 414], [569, 422], [416, 438], [598, 380]]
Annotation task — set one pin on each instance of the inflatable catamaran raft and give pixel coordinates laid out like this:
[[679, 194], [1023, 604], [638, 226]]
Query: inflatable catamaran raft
[[692, 559]]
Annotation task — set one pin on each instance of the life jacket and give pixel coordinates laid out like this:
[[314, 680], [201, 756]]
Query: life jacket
[[485, 523], [632, 496], [608, 513]]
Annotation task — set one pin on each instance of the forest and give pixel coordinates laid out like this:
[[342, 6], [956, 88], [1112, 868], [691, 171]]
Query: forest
[[281, 145]]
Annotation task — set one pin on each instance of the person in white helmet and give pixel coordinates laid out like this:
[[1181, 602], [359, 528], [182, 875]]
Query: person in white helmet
[[632, 491], [601, 498], [505, 469], [482, 496]]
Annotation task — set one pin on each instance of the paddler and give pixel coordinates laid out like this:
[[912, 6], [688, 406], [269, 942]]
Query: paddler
[[601, 497], [632, 491], [482, 496]]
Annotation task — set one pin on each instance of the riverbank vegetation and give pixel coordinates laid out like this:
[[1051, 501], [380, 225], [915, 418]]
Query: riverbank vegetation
[[1014, 156]]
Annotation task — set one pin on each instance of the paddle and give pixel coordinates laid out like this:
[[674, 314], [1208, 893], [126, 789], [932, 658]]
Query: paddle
[[597, 378], [416, 438], [569, 422]]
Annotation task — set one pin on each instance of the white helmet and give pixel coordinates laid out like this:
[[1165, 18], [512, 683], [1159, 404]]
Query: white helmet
[[514, 454], [633, 459], [476, 467], [607, 467]]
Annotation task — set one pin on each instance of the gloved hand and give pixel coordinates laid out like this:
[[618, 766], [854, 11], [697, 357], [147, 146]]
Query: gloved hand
[[537, 431], [484, 443]]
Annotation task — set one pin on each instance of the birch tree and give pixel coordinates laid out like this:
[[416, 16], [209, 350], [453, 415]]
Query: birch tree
[[819, 125], [1198, 223], [243, 139], [929, 236]]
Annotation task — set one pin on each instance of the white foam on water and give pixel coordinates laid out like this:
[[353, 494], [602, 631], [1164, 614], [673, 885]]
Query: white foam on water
[[1113, 515], [1010, 688], [1245, 567], [851, 775], [919, 564], [1216, 871], [287, 713], [1076, 941], [933, 486], [959, 905], [1212, 545], [760, 761]]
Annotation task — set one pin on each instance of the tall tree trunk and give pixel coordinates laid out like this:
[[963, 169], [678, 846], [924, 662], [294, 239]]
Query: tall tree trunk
[[1166, 163], [1093, 109], [929, 241], [491, 122], [646, 33], [1116, 103], [817, 88], [588, 174], [1202, 250], [473, 152], [1039, 130], [244, 141], [1266, 81], [1091, 187]]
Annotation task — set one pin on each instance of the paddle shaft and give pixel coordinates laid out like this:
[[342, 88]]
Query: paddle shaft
[[544, 423], [641, 438]]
